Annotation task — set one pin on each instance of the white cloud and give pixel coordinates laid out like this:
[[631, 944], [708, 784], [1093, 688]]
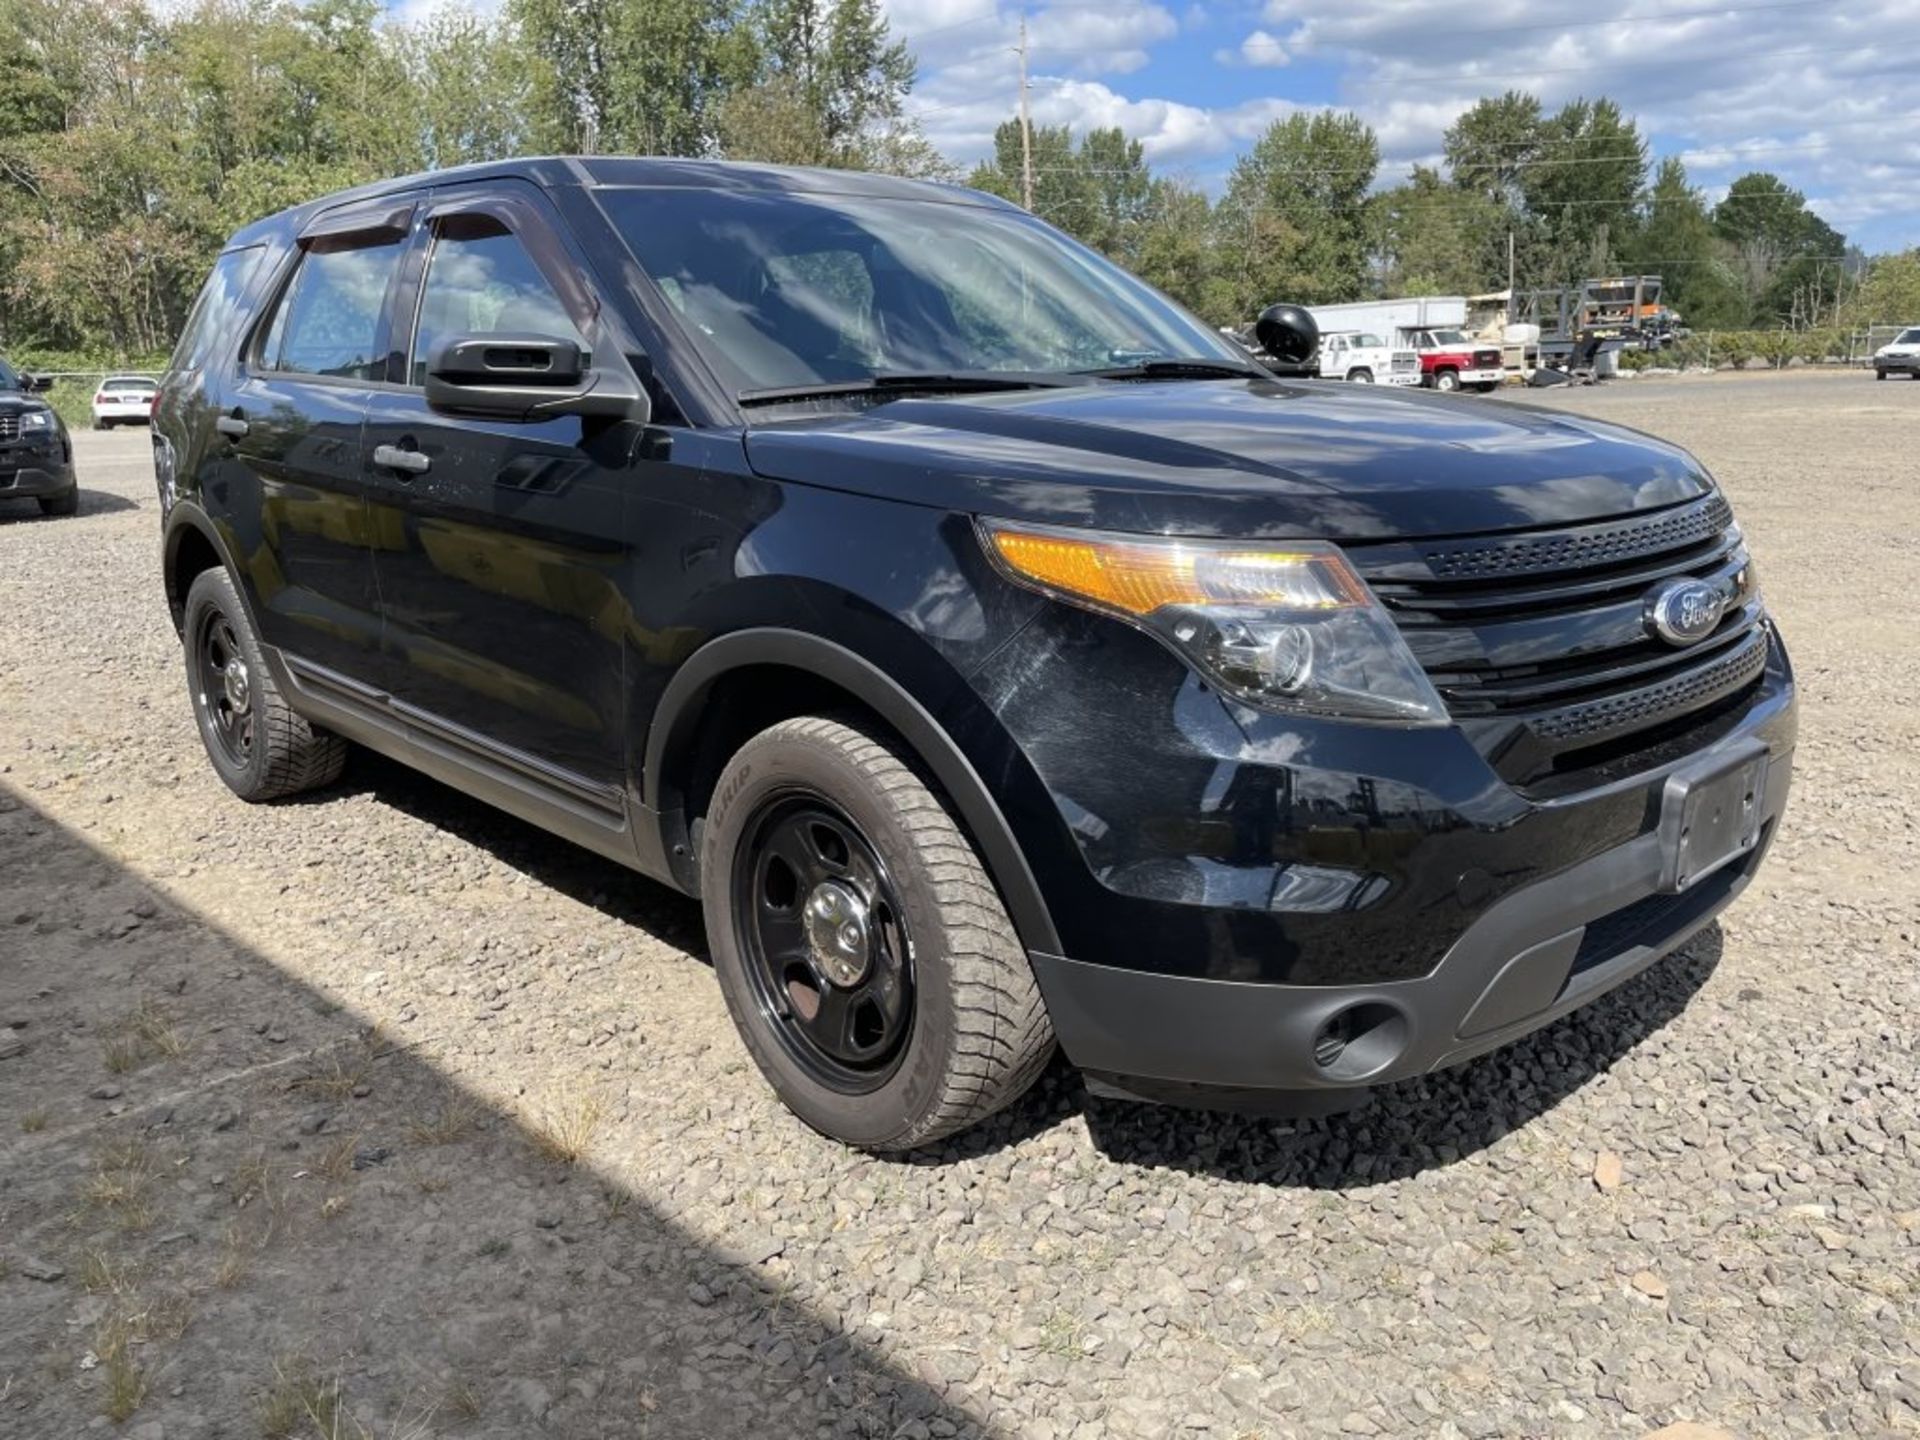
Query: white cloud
[[1821, 95], [1258, 51]]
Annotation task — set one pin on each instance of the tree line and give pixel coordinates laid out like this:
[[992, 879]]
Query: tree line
[[135, 137]]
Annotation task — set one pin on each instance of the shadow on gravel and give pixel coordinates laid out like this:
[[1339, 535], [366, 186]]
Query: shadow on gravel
[[1416, 1125], [611, 888], [228, 1206], [1401, 1131], [92, 502]]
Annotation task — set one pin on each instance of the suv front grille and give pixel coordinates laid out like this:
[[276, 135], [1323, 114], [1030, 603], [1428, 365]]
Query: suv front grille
[[1538, 643], [9, 427]]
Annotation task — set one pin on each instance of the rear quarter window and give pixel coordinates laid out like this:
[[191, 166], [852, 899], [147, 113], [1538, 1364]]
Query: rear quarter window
[[214, 313]]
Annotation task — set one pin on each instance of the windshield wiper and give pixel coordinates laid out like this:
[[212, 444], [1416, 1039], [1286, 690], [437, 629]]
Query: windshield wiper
[[905, 382], [1197, 369]]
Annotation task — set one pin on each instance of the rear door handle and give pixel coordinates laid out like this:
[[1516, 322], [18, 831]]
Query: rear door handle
[[392, 457], [233, 426]]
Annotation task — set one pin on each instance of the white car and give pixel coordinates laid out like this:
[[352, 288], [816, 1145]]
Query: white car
[[1366, 359], [1899, 356], [123, 400]]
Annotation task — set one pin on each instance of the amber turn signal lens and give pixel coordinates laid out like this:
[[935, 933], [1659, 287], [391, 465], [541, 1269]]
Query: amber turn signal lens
[[1137, 577]]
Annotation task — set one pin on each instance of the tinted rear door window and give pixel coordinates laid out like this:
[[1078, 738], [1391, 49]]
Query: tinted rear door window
[[214, 311], [329, 319]]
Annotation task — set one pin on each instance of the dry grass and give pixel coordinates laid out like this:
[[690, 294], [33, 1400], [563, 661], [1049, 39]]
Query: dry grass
[[336, 1161], [451, 1122], [255, 1179], [32, 1122], [337, 1082], [462, 1399], [121, 1184], [123, 1383], [335, 1205], [298, 1403], [102, 1273], [122, 1053], [236, 1258], [155, 1030], [566, 1130]]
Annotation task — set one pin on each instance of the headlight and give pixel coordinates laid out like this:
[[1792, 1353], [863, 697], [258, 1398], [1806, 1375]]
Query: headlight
[[1287, 627], [36, 422]]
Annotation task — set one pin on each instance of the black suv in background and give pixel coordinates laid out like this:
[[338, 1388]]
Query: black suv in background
[[36, 453], [998, 652]]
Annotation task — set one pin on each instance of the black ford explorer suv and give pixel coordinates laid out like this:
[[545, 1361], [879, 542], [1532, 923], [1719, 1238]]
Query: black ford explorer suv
[[999, 654], [36, 453]]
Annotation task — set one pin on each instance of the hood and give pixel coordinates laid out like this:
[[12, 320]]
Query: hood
[[1230, 457]]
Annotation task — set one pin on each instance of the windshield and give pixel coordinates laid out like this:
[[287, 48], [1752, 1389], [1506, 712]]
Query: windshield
[[789, 289], [1907, 337], [1363, 338], [9, 377], [1449, 337]]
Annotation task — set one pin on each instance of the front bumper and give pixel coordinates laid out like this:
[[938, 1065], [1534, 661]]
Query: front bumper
[[1537, 954], [1234, 882], [1492, 375], [1897, 364], [33, 474]]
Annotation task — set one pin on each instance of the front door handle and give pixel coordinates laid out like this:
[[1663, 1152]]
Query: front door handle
[[233, 426], [392, 457]]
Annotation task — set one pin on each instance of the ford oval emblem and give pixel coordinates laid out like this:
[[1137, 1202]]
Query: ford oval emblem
[[1684, 612]]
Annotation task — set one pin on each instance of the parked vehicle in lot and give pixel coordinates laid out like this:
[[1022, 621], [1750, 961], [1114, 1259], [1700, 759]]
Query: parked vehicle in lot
[[1899, 356], [998, 652], [36, 453], [123, 400], [1450, 360], [1364, 358], [1431, 325]]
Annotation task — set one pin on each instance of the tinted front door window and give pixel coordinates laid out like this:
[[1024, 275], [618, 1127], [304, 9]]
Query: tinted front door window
[[482, 281]]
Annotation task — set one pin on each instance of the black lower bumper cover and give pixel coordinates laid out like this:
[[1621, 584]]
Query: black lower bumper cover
[[34, 482], [1532, 957]]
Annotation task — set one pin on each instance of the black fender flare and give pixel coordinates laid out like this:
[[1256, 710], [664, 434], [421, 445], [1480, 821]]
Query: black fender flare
[[185, 516], [677, 716]]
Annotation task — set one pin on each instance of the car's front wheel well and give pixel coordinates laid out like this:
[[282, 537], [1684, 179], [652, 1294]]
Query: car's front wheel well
[[738, 706], [190, 554]]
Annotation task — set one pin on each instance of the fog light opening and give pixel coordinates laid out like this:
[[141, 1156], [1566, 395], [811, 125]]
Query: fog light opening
[[1359, 1041]]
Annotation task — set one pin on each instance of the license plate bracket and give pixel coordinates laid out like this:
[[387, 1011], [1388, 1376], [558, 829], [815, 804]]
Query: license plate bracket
[[1710, 816]]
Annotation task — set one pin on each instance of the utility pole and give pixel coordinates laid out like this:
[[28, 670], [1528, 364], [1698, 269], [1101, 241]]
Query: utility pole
[[1026, 123], [1510, 295]]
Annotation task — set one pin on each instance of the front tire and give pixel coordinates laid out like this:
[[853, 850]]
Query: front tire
[[1446, 380], [865, 957], [258, 746], [67, 504], [1881, 374]]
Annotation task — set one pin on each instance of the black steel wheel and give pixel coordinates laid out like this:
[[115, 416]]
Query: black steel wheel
[[826, 934], [223, 691], [865, 956], [257, 744]]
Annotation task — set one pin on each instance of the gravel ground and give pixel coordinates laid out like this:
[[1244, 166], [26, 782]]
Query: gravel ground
[[381, 1113]]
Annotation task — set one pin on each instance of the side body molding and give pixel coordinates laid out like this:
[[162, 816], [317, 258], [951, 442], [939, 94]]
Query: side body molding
[[678, 716]]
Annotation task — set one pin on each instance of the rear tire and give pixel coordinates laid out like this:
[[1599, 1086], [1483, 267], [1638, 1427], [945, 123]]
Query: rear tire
[[258, 746], [1360, 375], [816, 823]]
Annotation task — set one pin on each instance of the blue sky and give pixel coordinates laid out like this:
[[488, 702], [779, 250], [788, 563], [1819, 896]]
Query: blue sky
[[1825, 93]]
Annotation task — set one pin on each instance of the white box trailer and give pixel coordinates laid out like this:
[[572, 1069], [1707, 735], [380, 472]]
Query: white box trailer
[[1386, 317]]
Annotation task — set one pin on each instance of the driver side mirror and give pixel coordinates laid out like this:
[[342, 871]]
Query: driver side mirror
[[39, 384], [528, 377]]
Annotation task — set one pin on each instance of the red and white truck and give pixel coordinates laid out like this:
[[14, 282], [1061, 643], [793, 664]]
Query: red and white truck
[[1434, 327]]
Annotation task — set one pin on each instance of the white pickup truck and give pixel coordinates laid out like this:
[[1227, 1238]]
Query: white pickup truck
[[1363, 357]]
